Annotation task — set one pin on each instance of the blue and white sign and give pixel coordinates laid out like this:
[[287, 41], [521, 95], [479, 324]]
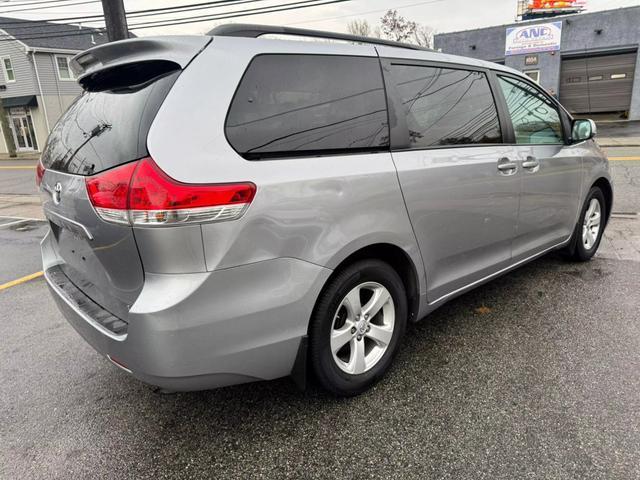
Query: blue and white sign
[[544, 37]]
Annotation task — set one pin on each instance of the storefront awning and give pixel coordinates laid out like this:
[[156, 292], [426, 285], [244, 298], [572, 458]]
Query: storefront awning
[[24, 101]]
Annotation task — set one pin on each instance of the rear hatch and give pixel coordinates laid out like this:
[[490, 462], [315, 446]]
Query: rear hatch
[[106, 127]]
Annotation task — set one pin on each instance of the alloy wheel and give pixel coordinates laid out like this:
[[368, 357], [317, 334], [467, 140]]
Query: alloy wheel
[[362, 328], [591, 224]]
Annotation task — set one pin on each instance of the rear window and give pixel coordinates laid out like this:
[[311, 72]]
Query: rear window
[[288, 105], [104, 129]]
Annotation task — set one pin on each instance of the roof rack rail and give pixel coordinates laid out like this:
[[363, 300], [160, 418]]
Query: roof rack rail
[[255, 31]]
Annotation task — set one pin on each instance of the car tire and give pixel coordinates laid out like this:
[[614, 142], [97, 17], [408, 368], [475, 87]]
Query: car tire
[[369, 341], [584, 242]]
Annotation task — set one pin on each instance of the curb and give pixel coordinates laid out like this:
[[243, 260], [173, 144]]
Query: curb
[[619, 144], [18, 159], [614, 145]]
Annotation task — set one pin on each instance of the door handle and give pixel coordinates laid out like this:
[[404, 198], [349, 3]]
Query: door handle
[[507, 167], [532, 164]]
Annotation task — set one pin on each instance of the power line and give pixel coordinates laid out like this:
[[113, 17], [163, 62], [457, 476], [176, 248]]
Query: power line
[[187, 20], [178, 9], [198, 18], [47, 6], [202, 18], [15, 3], [367, 12], [10, 3], [150, 11], [189, 7]]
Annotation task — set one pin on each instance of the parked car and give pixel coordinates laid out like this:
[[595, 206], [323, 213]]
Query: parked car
[[230, 208]]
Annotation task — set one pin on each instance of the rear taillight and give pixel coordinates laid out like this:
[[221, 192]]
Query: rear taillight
[[39, 173], [109, 192], [139, 193]]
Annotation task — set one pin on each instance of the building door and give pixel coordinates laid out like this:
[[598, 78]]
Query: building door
[[22, 127], [597, 84]]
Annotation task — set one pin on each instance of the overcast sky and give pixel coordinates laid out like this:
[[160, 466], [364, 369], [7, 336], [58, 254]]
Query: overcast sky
[[442, 15]]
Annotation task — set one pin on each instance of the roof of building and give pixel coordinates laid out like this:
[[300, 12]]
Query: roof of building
[[49, 35], [632, 10]]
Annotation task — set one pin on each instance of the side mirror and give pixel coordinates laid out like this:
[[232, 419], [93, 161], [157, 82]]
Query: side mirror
[[583, 130]]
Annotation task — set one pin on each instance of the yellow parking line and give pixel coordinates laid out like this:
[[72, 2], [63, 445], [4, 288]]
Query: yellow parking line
[[17, 167], [623, 159], [18, 281]]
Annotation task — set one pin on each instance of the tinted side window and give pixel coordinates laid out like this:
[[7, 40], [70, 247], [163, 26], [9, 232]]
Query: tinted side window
[[308, 104], [446, 106], [535, 118]]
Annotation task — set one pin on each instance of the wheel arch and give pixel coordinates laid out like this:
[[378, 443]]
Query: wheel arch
[[398, 259], [607, 190]]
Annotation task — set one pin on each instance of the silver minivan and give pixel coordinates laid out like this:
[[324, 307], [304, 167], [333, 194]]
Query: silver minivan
[[232, 207]]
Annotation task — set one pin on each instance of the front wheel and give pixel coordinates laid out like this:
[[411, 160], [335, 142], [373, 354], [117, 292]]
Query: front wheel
[[357, 326], [590, 227]]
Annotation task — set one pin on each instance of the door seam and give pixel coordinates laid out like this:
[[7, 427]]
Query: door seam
[[415, 237]]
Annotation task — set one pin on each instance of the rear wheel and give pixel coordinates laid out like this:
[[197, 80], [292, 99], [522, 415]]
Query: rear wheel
[[588, 232], [357, 326]]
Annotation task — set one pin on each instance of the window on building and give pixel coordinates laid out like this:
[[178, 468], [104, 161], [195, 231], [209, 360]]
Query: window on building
[[533, 75], [535, 118], [289, 105], [7, 66], [446, 106], [64, 71]]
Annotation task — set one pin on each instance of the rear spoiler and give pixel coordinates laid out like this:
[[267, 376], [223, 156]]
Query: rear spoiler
[[178, 50]]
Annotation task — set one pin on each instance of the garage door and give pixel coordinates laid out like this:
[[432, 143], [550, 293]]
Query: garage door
[[597, 84]]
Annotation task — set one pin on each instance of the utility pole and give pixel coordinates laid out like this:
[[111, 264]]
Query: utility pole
[[115, 19]]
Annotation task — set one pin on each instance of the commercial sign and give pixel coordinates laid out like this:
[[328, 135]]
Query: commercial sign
[[524, 39], [555, 6]]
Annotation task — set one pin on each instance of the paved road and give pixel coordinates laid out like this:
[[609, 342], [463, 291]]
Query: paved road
[[18, 195], [544, 385], [20, 249], [626, 179], [17, 177], [627, 132], [535, 375]]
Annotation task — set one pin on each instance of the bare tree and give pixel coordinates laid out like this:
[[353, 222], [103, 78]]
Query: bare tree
[[396, 27], [359, 27], [423, 36], [363, 28]]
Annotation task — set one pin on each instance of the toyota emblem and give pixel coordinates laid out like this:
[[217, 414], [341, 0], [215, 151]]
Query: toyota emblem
[[57, 190]]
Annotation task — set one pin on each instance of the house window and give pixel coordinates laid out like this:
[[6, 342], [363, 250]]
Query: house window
[[64, 71], [7, 66]]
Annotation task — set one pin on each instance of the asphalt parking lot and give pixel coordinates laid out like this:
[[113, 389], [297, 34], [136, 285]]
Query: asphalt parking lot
[[534, 375]]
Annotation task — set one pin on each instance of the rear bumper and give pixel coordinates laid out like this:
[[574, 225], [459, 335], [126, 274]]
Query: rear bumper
[[206, 330]]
